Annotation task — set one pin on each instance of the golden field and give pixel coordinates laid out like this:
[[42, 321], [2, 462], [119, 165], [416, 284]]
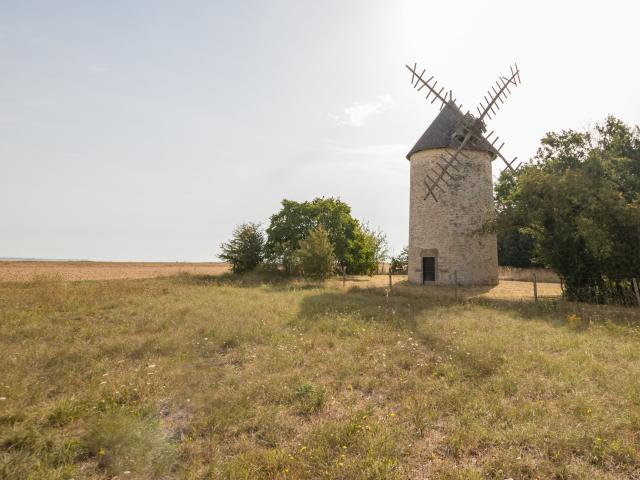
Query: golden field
[[23, 271]]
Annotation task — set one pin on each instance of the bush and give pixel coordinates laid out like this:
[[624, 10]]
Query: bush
[[315, 256], [245, 249], [400, 263]]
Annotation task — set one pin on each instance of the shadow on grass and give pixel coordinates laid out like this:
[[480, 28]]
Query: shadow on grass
[[341, 313], [405, 302], [273, 280], [403, 306]]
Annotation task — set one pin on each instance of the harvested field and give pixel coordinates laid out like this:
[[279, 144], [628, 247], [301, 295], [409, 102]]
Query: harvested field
[[23, 271], [544, 275]]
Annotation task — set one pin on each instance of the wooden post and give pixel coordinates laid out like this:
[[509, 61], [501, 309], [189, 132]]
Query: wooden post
[[344, 276], [455, 281], [390, 280], [535, 288], [635, 289]]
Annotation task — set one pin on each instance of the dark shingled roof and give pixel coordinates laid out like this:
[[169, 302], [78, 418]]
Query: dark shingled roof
[[439, 134]]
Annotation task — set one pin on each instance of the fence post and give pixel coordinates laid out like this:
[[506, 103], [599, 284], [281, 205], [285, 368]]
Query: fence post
[[455, 281], [535, 288], [390, 280], [635, 289]]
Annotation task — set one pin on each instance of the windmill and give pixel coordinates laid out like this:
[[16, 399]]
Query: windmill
[[451, 187]]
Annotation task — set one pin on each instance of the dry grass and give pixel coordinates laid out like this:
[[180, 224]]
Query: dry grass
[[199, 377], [505, 290], [23, 271], [543, 275]]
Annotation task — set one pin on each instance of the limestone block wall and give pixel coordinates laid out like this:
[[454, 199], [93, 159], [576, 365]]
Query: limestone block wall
[[451, 229]]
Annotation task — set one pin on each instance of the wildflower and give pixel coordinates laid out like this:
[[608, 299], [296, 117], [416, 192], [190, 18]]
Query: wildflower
[[574, 320], [101, 451]]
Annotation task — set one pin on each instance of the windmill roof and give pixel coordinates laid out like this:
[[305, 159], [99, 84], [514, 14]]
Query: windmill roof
[[440, 132]]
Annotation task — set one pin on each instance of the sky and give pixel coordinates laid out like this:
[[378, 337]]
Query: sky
[[147, 130]]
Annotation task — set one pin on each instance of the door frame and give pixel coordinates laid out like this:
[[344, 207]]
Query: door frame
[[435, 269]]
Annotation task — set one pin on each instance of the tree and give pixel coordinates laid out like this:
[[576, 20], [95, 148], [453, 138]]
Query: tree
[[579, 201], [367, 249], [315, 256], [245, 249], [400, 263], [355, 246], [515, 246]]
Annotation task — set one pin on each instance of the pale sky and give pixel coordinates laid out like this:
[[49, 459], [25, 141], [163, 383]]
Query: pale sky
[[146, 130]]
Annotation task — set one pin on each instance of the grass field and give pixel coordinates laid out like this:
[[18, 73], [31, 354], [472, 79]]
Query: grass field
[[200, 377]]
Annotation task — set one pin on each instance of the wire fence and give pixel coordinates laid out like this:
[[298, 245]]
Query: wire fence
[[603, 290], [621, 291]]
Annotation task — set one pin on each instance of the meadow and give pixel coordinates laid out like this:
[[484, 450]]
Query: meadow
[[262, 377]]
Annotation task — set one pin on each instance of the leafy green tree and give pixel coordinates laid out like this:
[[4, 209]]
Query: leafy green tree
[[515, 245], [356, 247], [515, 249], [245, 249], [315, 256], [380, 244], [579, 200], [400, 263], [367, 249]]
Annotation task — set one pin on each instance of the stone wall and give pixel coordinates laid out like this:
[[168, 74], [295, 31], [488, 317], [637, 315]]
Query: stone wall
[[451, 229]]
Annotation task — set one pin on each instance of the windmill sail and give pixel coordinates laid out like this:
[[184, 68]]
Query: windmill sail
[[419, 81], [497, 97], [454, 131]]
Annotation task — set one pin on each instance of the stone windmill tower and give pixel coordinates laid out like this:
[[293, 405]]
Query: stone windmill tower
[[452, 191]]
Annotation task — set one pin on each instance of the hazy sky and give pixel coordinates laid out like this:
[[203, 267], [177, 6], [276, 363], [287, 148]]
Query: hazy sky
[[146, 130]]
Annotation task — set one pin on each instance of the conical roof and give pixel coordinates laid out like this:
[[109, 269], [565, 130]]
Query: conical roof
[[440, 133]]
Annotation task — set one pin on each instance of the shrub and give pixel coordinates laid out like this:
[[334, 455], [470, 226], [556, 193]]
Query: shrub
[[244, 250], [309, 398], [315, 256], [400, 263]]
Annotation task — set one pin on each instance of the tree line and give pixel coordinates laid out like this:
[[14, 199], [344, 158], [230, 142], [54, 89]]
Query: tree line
[[314, 238]]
